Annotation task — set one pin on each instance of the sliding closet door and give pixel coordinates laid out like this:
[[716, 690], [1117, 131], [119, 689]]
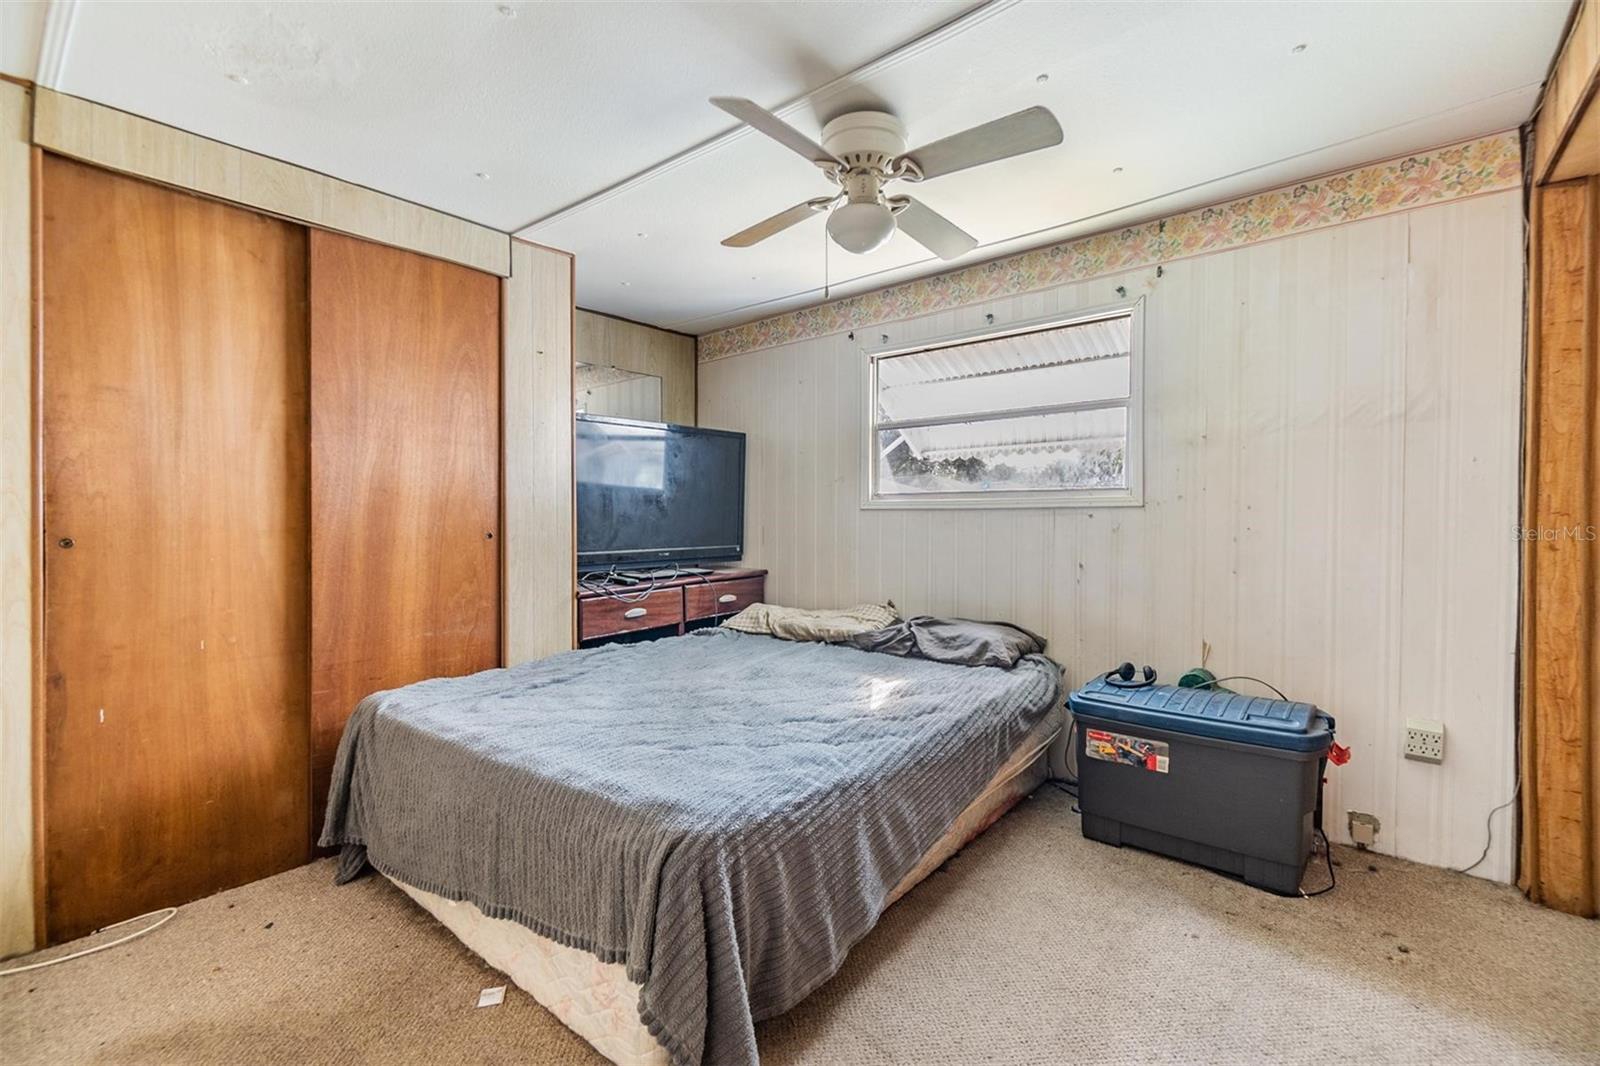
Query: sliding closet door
[[175, 557], [405, 477]]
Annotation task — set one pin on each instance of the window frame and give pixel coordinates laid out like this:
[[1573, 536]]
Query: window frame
[[1131, 496]]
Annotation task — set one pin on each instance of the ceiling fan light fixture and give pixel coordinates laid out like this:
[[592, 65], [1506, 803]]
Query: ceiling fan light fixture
[[861, 227], [862, 151]]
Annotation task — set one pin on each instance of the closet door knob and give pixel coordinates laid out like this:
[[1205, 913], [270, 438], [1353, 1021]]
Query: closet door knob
[[65, 542]]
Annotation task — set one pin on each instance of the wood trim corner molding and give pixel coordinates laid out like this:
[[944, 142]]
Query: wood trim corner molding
[[1559, 652], [539, 565], [129, 144], [16, 524], [1560, 692], [1567, 130]]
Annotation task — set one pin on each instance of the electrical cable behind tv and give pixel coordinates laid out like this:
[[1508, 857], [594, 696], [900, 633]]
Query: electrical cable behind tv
[[604, 583]]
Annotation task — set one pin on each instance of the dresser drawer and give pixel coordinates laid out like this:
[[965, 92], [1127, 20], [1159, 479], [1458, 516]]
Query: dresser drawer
[[723, 597], [606, 617]]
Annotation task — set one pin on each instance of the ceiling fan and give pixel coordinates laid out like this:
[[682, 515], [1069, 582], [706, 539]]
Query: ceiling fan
[[863, 151]]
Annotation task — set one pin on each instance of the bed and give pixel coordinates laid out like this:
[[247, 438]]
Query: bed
[[668, 842]]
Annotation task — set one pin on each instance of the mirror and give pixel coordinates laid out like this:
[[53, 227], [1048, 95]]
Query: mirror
[[610, 390]]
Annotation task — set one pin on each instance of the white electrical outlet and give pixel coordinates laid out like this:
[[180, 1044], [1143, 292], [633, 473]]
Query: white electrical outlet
[[1424, 740]]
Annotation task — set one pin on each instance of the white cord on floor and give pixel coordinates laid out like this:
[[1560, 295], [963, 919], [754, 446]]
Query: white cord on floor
[[166, 913]]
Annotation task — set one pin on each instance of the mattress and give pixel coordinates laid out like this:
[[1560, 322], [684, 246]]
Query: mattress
[[724, 814], [596, 999]]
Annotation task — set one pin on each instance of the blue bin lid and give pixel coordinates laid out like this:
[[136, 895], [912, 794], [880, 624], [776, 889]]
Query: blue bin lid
[[1281, 724]]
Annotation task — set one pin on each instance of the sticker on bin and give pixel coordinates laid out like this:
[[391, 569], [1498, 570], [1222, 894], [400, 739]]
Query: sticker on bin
[[1129, 751]]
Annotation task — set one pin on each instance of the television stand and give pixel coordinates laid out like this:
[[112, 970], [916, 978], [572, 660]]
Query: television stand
[[664, 607]]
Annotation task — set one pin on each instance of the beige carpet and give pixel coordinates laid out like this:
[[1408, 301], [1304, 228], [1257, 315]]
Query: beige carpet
[[1033, 945]]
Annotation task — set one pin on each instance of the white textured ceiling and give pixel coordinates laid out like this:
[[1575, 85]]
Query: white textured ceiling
[[552, 100], [590, 119]]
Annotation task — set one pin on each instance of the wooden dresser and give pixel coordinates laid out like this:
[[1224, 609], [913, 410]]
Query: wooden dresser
[[675, 605]]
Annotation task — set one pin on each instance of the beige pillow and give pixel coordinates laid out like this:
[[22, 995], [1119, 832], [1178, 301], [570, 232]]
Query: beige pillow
[[798, 623]]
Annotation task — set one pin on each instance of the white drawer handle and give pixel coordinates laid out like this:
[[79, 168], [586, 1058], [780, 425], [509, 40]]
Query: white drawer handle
[[727, 597], [635, 612]]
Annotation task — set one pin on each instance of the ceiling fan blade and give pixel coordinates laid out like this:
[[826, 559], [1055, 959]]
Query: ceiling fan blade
[[932, 230], [759, 118], [777, 223], [1025, 131]]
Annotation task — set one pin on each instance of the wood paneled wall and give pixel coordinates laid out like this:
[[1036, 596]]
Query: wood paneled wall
[[175, 471], [1331, 481], [405, 478], [540, 565], [608, 341], [18, 540], [129, 144]]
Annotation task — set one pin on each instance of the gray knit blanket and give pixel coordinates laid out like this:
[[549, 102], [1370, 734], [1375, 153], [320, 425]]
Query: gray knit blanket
[[724, 814]]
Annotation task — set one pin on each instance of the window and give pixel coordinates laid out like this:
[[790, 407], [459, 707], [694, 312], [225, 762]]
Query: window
[[1044, 414]]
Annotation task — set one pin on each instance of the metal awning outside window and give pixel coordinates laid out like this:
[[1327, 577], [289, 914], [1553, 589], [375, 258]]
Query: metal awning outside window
[[1047, 400]]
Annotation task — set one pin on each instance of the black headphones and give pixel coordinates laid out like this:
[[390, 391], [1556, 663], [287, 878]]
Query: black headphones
[[1122, 677]]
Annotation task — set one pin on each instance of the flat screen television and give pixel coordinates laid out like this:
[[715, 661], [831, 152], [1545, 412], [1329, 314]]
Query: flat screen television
[[650, 493]]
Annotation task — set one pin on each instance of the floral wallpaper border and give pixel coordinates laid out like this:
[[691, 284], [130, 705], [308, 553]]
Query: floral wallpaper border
[[1470, 168]]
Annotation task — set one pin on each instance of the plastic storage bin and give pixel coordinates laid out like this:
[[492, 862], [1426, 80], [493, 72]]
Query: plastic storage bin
[[1219, 779]]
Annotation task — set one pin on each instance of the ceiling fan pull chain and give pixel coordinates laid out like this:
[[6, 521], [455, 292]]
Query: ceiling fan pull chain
[[826, 280]]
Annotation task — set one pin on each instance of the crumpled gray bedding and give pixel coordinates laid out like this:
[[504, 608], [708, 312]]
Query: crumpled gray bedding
[[724, 814], [953, 640]]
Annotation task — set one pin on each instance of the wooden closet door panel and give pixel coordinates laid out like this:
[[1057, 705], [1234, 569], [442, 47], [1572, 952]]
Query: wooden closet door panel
[[176, 572], [405, 477]]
